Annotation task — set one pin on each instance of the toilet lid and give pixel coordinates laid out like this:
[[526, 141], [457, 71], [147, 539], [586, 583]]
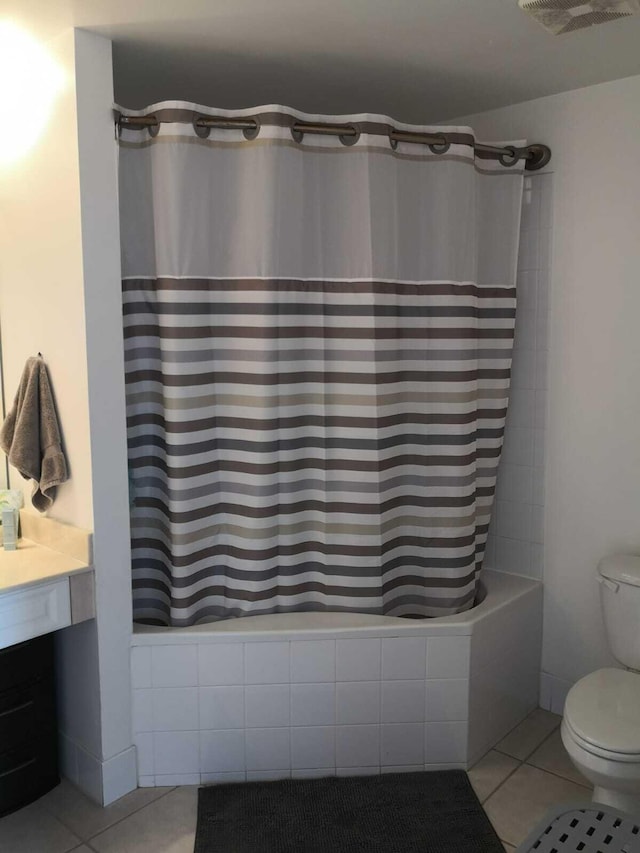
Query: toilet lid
[[604, 710]]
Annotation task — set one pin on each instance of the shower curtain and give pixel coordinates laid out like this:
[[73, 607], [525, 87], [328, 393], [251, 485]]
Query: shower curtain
[[318, 350]]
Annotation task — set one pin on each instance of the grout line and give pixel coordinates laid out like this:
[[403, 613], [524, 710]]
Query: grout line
[[559, 776], [130, 814]]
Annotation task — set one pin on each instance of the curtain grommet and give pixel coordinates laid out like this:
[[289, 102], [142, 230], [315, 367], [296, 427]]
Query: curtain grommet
[[393, 142], [252, 132], [350, 138], [154, 129], [510, 156], [296, 135], [440, 147], [201, 130]]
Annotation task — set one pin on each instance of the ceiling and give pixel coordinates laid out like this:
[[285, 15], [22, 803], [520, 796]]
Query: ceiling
[[417, 60]]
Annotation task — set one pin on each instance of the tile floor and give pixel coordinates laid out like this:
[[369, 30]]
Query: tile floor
[[517, 782]]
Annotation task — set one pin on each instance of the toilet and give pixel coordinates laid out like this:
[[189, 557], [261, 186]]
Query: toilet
[[601, 724]]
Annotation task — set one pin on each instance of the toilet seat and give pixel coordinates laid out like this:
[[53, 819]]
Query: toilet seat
[[602, 714]]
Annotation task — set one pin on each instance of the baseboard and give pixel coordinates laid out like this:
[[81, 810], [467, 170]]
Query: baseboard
[[102, 781], [553, 692]]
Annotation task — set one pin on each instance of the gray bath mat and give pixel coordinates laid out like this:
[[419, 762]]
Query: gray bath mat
[[432, 812]]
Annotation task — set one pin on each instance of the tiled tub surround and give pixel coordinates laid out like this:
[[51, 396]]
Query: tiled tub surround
[[515, 542], [315, 694]]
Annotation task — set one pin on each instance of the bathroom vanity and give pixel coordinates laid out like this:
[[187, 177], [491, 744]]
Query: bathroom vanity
[[46, 584]]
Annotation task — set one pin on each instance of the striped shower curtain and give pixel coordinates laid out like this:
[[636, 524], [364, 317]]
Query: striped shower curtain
[[318, 350]]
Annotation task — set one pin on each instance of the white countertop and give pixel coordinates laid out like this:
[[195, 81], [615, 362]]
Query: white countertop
[[31, 564]]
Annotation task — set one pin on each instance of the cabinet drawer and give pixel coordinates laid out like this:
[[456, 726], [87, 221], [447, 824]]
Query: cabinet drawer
[[33, 611]]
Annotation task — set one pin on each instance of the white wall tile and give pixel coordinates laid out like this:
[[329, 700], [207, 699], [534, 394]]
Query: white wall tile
[[314, 773], [539, 447], [174, 666], [313, 704], [313, 747], [313, 661], [144, 753], [266, 663], [514, 520], [490, 553], [540, 420], [448, 657], [402, 768], [518, 446], [537, 494], [402, 744], [541, 369], [515, 483], [222, 752], [358, 771], [447, 699], [267, 749], [521, 407], [175, 709], [445, 742], [358, 746], [146, 781], [513, 555], [141, 666], [403, 702], [358, 660], [268, 775], [222, 778], [267, 705], [537, 561], [358, 702], [176, 752], [537, 524], [221, 707], [523, 369], [403, 657], [170, 779], [220, 664], [142, 710]]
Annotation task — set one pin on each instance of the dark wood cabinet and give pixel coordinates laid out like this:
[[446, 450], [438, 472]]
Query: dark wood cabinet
[[28, 728]]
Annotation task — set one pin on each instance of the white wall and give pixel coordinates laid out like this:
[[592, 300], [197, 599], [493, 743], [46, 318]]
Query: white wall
[[592, 503], [105, 355], [41, 288], [60, 294]]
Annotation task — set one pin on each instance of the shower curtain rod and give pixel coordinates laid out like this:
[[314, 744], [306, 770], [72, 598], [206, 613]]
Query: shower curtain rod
[[536, 155]]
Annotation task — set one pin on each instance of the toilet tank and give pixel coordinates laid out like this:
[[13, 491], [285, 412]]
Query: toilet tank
[[619, 578]]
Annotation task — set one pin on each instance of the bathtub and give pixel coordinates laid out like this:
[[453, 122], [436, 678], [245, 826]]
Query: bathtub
[[316, 694]]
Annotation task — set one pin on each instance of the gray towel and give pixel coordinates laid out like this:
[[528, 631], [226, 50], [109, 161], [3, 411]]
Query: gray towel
[[30, 435]]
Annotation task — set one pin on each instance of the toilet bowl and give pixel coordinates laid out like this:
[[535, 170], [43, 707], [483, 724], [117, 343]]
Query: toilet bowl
[[601, 724], [601, 733]]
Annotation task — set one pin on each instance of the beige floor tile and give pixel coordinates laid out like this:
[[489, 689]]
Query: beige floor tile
[[552, 756], [83, 849], [522, 801], [528, 736], [490, 772], [167, 825], [33, 830], [87, 819]]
